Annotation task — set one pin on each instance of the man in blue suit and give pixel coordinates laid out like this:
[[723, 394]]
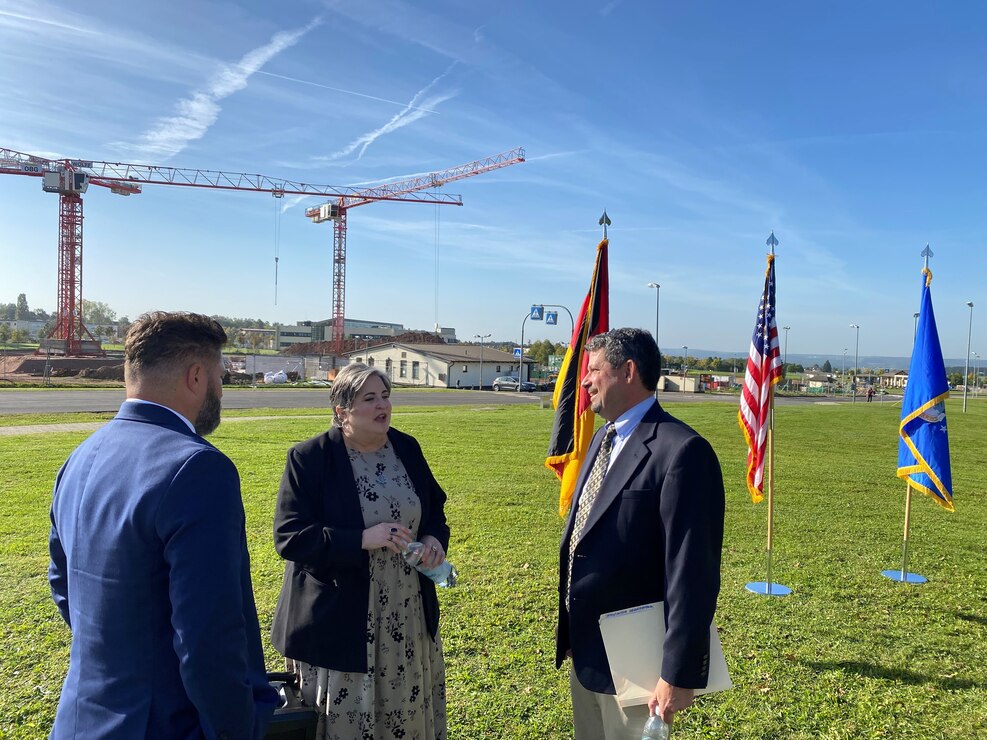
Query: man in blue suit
[[149, 564], [646, 525]]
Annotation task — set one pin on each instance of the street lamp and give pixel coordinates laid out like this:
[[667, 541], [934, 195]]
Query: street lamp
[[481, 337], [856, 355], [966, 371], [915, 332], [685, 359], [657, 288]]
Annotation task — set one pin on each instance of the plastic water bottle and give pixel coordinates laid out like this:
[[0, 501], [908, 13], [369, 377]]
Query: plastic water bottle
[[444, 574], [655, 729]]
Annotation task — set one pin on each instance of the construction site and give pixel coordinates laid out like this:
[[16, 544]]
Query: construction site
[[72, 354]]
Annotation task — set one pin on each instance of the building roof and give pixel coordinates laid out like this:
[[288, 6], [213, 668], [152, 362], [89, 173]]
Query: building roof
[[448, 352]]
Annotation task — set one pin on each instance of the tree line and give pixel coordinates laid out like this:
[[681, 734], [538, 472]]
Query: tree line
[[100, 318], [20, 311]]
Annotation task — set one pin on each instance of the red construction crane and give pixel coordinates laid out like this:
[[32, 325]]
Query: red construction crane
[[336, 212], [71, 177]]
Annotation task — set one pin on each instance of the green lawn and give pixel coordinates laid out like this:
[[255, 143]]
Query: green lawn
[[850, 654]]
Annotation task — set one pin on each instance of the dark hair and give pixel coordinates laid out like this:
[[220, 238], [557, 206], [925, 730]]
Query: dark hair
[[347, 385], [159, 339], [621, 345]]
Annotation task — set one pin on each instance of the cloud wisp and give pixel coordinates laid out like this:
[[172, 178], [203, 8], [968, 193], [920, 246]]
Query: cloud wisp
[[423, 103], [21, 20], [198, 112]]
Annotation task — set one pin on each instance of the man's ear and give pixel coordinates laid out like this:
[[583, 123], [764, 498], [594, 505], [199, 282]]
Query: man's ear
[[195, 378], [630, 371]]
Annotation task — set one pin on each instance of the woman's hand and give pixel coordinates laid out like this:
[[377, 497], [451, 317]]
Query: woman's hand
[[433, 554], [392, 536]]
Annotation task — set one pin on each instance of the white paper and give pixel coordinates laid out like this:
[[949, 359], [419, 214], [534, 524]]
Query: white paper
[[634, 638]]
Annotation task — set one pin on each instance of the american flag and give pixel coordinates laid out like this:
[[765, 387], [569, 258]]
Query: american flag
[[763, 371]]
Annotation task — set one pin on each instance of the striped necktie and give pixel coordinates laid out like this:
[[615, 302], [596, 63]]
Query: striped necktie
[[588, 496]]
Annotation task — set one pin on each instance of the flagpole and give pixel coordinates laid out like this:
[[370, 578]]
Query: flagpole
[[767, 587], [771, 461], [904, 539], [903, 575], [771, 489]]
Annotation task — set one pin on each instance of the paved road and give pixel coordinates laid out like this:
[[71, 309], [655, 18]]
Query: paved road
[[52, 401], [56, 400]]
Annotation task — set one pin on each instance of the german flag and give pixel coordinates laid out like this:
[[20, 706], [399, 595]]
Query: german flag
[[573, 426]]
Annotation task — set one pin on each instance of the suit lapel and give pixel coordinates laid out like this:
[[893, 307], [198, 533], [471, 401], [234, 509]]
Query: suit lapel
[[633, 454], [341, 496], [414, 466]]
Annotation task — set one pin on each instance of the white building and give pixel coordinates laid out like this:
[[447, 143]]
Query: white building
[[321, 331], [31, 328], [440, 365]]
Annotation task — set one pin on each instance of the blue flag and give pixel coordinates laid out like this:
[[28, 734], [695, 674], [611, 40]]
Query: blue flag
[[923, 450]]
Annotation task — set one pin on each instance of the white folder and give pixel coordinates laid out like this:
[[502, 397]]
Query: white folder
[[634, 638]]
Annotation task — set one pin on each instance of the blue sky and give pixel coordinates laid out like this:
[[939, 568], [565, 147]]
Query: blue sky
[[857, 132]]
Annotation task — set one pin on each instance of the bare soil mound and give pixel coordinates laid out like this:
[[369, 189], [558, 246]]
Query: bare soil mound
[[104, 372], [29, 369]]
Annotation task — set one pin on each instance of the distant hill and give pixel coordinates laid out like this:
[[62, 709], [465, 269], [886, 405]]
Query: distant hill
[[808, 360]]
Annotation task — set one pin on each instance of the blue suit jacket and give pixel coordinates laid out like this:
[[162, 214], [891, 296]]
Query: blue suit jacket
[[654, 534], [149, 568]]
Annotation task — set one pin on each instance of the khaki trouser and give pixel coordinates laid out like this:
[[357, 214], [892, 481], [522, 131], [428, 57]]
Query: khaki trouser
[[599, 717]]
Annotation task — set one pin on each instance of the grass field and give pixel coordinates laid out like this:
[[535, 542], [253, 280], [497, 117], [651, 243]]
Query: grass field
[[849, 654]]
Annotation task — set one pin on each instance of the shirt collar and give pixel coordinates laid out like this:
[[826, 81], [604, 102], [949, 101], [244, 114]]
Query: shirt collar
[[189, 424], [628, 421]]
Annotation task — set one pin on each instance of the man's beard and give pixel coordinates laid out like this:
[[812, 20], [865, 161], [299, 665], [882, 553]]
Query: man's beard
[[208, 417]]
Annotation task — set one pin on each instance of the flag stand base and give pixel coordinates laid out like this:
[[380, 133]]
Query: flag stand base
[[902, 577], [761, 587]]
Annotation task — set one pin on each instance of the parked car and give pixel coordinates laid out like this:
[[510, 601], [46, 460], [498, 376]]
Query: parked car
[[507, 383]]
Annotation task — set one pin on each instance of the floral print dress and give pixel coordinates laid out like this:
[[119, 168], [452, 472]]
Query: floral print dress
[[402, 695]]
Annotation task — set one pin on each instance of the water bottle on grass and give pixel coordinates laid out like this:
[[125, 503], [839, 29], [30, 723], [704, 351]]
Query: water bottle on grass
[[444, 574], [655, 729]]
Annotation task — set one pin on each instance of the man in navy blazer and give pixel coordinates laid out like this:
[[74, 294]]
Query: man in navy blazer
[[149, 564], [653, 532]]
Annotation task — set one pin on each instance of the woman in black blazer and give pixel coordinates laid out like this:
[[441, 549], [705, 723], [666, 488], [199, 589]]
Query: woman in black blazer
[[358, 622]]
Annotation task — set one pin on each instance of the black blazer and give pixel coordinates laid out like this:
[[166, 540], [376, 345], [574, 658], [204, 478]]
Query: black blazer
[[321, 616], [654, 534]]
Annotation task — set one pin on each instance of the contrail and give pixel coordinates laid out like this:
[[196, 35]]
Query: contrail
[[340, 90], [411, 113], [196, 113]]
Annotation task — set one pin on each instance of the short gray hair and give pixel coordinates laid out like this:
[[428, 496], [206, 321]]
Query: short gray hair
[[347, 385], [620, 345]]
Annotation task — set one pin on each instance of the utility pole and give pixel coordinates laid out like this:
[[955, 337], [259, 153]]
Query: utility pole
[[856, 361], [481, 337]]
